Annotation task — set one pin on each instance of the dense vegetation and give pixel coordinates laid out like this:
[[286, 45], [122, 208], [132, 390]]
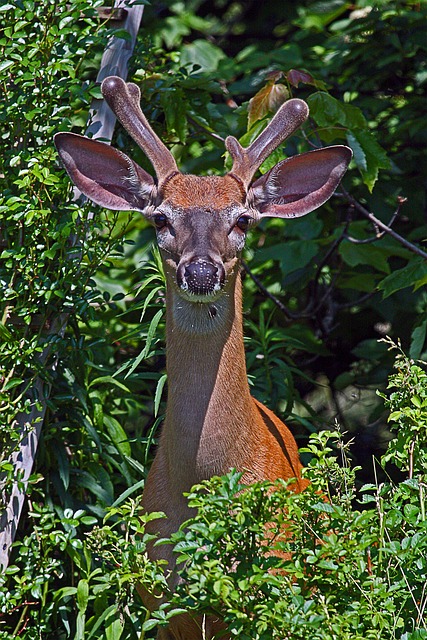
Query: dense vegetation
[[319, 294]]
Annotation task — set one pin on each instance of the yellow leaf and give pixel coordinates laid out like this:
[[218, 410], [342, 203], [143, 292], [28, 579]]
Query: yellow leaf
[[267, 100]]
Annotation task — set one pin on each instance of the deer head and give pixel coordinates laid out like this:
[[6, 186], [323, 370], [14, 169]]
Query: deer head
[[201, 222]]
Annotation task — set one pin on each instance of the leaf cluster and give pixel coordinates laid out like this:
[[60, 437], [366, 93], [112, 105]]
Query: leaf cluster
[[332, 562]]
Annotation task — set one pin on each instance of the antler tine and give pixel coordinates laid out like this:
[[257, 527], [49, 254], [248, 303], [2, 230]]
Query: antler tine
[[124, 100], [247, 160]]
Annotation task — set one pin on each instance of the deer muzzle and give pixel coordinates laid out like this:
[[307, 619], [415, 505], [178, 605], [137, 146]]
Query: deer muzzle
[[201, 277]]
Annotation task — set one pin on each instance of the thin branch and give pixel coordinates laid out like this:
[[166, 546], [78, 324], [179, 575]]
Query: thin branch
[[310, 307], [266, 292], [378, 234], [355, 303], [205, 130], [381, 225]]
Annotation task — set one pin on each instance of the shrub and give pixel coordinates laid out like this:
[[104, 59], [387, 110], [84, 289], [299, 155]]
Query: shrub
[[355, 565]]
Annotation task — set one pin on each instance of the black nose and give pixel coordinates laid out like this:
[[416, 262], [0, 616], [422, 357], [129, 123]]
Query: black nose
[[200, 278]]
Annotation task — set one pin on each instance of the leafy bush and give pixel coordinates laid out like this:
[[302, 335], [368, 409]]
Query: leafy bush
[[278, 565], [50, 273]]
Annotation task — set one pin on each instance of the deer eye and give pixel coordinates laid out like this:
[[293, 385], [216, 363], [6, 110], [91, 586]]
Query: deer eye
[[243, 223], [160, 220]]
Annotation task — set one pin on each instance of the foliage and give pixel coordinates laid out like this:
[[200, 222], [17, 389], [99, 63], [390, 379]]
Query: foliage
[[54, 261], [318, 293], [279, 565]]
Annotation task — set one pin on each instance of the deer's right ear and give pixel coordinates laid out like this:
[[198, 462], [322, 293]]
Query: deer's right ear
[[104, 174]]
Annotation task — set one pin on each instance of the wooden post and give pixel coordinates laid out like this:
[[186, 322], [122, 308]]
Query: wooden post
[[101, 124]]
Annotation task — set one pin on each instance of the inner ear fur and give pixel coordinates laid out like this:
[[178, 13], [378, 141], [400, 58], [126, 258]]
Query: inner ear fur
[[298, 185], [105, 175]]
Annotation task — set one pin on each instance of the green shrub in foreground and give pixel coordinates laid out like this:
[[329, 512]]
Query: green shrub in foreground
[[351, 571], [351, 567]]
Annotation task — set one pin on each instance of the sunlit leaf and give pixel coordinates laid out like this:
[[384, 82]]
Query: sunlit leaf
[[267, 100], [328, 111]]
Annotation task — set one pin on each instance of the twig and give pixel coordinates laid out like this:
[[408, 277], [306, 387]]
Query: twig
[[381, 225], [200, 127], [310, 307], [355, 303], [378, 234], [266, 292]]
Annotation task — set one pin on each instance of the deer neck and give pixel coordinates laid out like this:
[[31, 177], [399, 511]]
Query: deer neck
[[209, 406]]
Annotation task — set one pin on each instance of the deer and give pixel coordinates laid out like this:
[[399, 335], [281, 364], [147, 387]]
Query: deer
[[212, 423]]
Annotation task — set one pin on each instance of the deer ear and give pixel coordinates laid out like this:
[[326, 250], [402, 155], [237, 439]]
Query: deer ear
[[300, 184], [104, 174]]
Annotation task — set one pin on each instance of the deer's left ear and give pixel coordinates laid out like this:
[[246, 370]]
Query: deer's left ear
[[298, 185]]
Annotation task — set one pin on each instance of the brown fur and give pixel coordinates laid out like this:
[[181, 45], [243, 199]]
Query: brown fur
[[187, 191]]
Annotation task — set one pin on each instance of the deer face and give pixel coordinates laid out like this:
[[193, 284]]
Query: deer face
[[201, 222], [201, 228]]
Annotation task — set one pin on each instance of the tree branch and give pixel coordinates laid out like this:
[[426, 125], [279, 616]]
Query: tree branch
[[265, 291], [381, 225]]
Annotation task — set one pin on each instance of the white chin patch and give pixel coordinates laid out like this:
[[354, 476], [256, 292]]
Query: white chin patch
[[205, 298]]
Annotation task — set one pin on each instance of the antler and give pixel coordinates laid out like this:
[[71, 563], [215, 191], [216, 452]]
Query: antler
[[124, 100], [247, 160]]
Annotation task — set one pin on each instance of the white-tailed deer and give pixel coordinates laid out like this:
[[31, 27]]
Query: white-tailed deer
[[212, 423]]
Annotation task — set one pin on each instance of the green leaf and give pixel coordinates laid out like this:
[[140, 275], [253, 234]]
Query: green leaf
[[159, 392], [122, 34], [5, 333], [114, 630], [403, 278], [135, 487], [418, 339], [359, 155], [370, 157], [108, 380], [146, 350], [328, 112], [368, 154], [64, 592], [80, 626], [6, 64], [12, 383], [82, 595], [360, 282], [325, 507], [293, 255], [366, 254], [175, 108], [97, 480], [150, 624], [63, 464], [118, 435], [202, 53], [111, 610]]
